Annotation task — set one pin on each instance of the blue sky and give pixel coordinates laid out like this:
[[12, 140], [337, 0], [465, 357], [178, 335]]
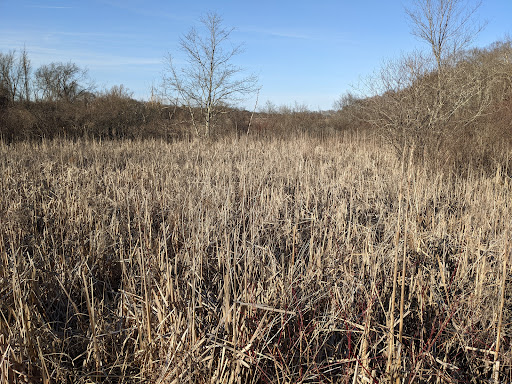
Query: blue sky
[[305, 52]]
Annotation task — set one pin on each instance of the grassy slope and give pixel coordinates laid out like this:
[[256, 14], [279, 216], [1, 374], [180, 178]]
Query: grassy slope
[[140, 260]]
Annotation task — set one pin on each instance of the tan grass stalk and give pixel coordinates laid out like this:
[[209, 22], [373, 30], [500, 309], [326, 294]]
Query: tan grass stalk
[[391, 364], [247, 261], [90, 308], [496, 366], [44, 370], [5, 366], [404, 263]]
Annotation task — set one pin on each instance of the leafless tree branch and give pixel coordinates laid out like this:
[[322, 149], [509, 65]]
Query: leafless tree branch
[[208, 81]]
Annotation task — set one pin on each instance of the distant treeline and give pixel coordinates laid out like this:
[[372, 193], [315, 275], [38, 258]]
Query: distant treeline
[[110, 116], [59, 100], [446, 113]]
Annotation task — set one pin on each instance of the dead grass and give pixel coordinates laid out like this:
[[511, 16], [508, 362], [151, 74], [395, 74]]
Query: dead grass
[[250, 261]]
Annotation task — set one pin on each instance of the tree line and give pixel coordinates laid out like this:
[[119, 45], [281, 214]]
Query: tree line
[[50, 82], [442, 102], [60, 100]]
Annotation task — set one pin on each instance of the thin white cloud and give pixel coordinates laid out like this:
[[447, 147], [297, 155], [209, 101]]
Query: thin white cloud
[[91, 60], [301, 35], [289, 35], [96, 34], [141, 9], [47, 7], [120, 61], [35, 34], [278, 33]]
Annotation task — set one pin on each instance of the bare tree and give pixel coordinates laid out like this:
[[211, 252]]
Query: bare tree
[[447, 26], [430, 99], [9, 74], [59, 81], [209, 81], [15, 75], [25, 72], [8, 81]]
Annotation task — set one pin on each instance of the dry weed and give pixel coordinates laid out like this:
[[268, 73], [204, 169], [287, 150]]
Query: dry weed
[[247, 261]]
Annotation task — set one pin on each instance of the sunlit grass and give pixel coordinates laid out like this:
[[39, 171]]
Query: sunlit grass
[[248, 260]]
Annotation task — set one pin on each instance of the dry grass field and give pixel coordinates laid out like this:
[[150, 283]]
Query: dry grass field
[[251, 261]]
